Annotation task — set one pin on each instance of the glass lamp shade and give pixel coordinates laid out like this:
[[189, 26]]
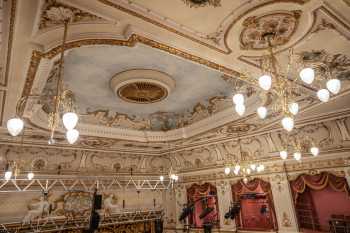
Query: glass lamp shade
[[176, 177], [240, 109], [314, 150], [15, 126], [288, 123], [245, 180], [236, 172], [323, 95], [262, 112], [307, 75], [8, 175], [297, 156], [283, 154], [30, 175], [265, 82], [227, 170], [161, 178], [237, 167], [293, 108], [238, 99], [253, 167], [70, 120], [333, 85], [260, 168], [248, 171], [72, 136]]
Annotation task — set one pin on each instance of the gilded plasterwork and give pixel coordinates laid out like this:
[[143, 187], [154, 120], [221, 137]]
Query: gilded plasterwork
[[52, 7], [202, 3], [282, 24]]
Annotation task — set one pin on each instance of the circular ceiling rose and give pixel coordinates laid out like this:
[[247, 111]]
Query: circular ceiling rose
[[142, 86], [281, 24]]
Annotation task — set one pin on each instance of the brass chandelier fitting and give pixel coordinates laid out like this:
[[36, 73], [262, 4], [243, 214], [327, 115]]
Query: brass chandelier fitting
[[282, 84], [63, 100]]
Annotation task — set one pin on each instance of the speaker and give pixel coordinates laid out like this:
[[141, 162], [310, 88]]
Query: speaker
[[158, 226], [97, 202]]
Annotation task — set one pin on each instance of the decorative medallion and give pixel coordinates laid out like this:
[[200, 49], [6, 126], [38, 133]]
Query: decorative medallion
[[282, 24], [142, 86], [53, 11], [142, 92], [202, 3]]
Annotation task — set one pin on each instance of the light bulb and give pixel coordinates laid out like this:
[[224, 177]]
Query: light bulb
[[262, 112], [283, 154], [253, 167], [314, 150], [8, 175], [176, 177], [72, 136], [248, 171], [240, 109], [227, 170], [245, 180], [323, 95], [161, 178], [238, 99], [307, 75], [237, 167], [265, 82], [262, 167], [70, 120], [172, 176], [30, 175], [293, 108], [288, 123], [236, 172], [297, 155], [333, 85], [15, 126]]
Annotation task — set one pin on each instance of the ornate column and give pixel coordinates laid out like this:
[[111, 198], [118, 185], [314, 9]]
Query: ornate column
[[225, 198], [283, 202]]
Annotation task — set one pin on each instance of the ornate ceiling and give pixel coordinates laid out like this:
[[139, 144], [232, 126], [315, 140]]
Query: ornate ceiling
[[183, 60]]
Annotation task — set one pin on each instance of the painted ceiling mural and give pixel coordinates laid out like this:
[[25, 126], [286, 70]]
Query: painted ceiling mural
[[205, 60]]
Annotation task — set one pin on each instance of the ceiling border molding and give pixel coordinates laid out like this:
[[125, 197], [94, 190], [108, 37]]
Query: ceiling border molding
[[176, 31]]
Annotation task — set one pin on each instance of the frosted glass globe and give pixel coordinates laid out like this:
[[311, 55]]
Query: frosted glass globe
[[265, 82], [227, 170], [238, 99], [333, 85], [15, 126], [245, 180], [8, 175], [314, 150], [253, 167], [283, 154], [297, 156], [307, 75], [30, 175], [70, 120], [288, 123], [262, 112], [240, 109], [72, 136], [161, 178], [323, 95], [293, 108]]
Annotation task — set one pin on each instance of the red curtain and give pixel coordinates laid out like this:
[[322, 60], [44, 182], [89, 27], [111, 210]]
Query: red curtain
[[245, 219], [318, 182], [203, 196]]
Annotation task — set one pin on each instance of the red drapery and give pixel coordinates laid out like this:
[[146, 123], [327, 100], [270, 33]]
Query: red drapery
[[254, 186], [203, 196], [318, 182]]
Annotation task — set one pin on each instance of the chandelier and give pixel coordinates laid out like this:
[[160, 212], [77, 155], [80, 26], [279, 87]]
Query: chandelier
[[63, 100], [282, 84], [244, 167], [296, 147]]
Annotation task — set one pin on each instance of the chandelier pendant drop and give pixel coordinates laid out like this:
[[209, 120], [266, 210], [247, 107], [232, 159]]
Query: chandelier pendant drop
[[63, 99]]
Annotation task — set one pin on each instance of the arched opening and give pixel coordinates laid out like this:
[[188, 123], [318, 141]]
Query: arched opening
[[322, 202], [205, 202], [257, 209]]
